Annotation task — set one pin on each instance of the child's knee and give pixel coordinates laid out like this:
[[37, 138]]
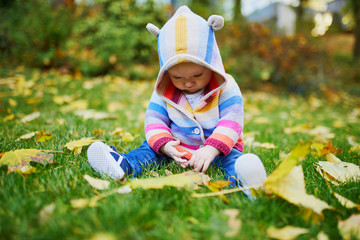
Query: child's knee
[[250, 170]]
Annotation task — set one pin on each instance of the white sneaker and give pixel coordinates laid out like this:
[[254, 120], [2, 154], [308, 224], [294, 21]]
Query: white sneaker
[[105, 160]]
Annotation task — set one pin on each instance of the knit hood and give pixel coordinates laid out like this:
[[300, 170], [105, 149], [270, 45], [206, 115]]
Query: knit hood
[[187, 37]]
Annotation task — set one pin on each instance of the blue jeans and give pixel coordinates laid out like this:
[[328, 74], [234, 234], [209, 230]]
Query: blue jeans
[[144, 155]]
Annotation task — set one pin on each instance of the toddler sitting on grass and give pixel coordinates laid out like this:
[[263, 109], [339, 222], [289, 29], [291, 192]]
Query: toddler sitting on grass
[[195, 115]]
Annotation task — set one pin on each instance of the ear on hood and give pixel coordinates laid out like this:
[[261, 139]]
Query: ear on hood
[[216, 22]]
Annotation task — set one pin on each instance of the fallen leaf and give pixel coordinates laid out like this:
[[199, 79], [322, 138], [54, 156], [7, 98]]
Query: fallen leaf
[[285, 233], [30, 117], [296, 155], [186, 179], [46, 213], [321, 131], [301, 128], [233, 223], [12, 102], [19, 160], [77, 145], [26, 136], [168, 172], [97, 183], [322, 236], [355, 149], [98, 132], [75, 105], [43, 136], [346, 202], [9, 117], [329, 148], [216, 186], [127, 137], [103, 236], [349, 228], [291, 187], [93, 114], [338, 170], [124, 189], [82, 203]]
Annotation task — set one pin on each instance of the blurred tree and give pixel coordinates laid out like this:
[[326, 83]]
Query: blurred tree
[[237, 11], [300, 14], [355, 5]]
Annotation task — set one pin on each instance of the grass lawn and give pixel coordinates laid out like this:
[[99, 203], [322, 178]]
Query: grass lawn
[[274, 124]]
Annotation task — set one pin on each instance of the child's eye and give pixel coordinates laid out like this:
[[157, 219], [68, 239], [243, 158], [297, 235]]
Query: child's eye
[[198, 75], [177, 78]]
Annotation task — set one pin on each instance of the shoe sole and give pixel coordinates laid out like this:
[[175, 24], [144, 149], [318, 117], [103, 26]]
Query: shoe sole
[[103, 162]]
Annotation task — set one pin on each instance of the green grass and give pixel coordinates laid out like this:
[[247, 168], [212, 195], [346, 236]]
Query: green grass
[[168, 213]]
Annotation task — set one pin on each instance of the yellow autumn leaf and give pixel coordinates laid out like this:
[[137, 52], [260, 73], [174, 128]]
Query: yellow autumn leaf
[[9, 117], [93, 114], [26, 136], [46, 213], [346, 202], [19, 160], [12, 102], [97, 183], [233, 223], [285, 233], [291, 187], [355, 149], [30, 117], [292, 159], [322, 236], [338, 170], [43, 136], [127, 137], [301, 128], [75, 105], [77, 145], [103, 236], [350, 227], [186, 179]]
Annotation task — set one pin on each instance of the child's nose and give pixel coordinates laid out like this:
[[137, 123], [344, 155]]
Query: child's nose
[[189, 84]]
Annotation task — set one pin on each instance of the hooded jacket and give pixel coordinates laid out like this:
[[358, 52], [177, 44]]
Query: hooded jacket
[[217, 120]]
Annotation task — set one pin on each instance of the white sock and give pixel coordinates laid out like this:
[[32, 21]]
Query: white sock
[[250, 171]]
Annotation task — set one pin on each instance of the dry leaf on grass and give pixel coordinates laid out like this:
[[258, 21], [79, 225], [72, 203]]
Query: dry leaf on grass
[[103, 236], [30, 117], [350, 227], [346, 202], [93, 114], [97, 183], [292, 188], [77, 145], [334, 170], [287, 181], [233, 223], [285, 233], [92, 202], [46, 213], [19, 160], [26, 136], [186, 179]]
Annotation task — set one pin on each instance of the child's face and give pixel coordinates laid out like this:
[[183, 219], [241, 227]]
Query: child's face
[[189, 77]]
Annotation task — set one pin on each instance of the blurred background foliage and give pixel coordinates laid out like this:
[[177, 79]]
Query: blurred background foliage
[[109, 37]]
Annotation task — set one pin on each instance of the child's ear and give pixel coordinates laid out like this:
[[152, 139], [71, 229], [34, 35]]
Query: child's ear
[[154, 30], [216, 22]]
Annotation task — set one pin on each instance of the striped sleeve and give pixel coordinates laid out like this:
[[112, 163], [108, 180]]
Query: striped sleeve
[[157, 123], [228, 131]]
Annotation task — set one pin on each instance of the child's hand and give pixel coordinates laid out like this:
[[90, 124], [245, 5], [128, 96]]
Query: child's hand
[[202, 158], [170, 150]]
